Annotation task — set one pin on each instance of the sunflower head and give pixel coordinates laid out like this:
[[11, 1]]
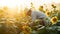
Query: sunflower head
[[54, 20], [48, 13], [53, 6], [41, 8]]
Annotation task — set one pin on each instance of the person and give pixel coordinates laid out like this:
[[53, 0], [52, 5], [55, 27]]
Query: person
[[37, 15], [41, 24]]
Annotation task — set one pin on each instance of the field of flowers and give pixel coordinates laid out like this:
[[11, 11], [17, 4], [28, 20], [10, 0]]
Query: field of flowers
[[20, 23]]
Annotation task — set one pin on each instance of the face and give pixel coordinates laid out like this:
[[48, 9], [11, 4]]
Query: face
[[29, 13]]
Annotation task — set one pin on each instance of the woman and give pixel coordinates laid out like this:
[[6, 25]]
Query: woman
[[37, 15]]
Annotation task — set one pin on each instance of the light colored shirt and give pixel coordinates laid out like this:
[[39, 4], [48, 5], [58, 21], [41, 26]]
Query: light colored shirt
[[37, 14]]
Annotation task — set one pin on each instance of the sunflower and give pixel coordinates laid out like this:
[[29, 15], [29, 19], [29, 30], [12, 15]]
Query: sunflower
[[40, 8], [48, 13], [53, 6], [54, 20]]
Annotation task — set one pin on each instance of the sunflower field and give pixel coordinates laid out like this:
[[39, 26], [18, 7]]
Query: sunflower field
[[14, 23]]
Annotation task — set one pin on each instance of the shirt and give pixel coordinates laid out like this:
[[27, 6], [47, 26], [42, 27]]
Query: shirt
[[37, 14]]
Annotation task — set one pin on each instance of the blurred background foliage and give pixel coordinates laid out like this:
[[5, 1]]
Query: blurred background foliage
[[21, 23]]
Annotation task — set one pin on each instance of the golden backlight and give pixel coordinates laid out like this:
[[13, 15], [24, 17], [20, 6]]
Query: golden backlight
[[17, 5]]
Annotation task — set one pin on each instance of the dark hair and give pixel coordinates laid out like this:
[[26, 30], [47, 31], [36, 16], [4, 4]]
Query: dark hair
[[29, 11]]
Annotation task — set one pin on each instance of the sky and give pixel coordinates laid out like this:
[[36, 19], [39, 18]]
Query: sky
[[25, 3]]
